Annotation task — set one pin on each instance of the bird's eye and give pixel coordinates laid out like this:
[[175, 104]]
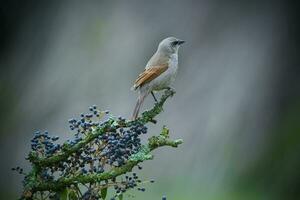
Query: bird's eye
[[174, 43]]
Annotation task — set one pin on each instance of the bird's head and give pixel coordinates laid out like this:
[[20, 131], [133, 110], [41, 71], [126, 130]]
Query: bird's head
[[170, 45]]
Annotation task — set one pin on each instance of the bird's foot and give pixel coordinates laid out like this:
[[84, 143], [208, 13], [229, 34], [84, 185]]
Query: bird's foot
[[170, 90]]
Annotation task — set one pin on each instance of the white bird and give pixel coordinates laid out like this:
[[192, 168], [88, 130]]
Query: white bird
[[159, 73]]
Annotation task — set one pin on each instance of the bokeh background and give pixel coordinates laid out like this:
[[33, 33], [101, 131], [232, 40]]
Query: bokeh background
[[237, 105]]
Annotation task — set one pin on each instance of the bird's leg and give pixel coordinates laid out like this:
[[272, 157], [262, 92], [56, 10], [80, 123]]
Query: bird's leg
[[152, 93]]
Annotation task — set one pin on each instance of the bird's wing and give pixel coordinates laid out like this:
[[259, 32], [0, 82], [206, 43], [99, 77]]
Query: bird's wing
[[149, 74]]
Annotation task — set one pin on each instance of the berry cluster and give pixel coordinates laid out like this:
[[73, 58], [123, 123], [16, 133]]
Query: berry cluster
[[130, 182], [109, 149], [17, 169], [89, 121], [122, 143], [43, 144], [120, 187]]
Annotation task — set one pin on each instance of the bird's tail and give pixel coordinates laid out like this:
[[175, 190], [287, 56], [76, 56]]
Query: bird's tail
[[138, 105]]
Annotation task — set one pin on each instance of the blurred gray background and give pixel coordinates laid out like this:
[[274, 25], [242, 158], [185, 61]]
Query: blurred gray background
[[237, 104]]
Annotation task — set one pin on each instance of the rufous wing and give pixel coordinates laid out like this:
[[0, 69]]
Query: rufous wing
[[149, 74]]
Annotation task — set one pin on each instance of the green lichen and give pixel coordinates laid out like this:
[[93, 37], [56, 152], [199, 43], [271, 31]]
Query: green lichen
[[142, 155], [165, 132]]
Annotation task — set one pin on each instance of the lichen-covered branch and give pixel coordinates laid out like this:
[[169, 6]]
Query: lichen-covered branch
[[104, 148], [154, 142], [67, 150], [147, 116]]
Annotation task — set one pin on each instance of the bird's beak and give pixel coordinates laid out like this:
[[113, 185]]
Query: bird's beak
[[180, 42]]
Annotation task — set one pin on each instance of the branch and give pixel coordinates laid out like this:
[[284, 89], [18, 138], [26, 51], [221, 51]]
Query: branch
[[34, 184], [153, 143], [147, 116]]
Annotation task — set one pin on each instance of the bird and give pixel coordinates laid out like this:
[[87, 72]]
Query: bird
[[159, 73]]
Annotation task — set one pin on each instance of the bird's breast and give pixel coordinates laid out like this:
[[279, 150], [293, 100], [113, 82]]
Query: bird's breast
[[173, 62]]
